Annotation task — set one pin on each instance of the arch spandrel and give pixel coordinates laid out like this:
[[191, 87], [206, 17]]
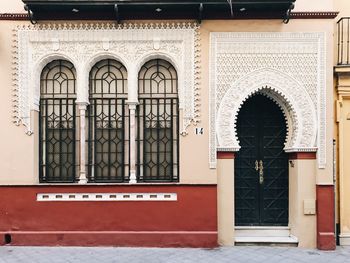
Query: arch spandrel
[[288, 93]]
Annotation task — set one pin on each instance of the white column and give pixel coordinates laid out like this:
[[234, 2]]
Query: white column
[[82, 102], [132, 102], [132, 110], [82, 169]]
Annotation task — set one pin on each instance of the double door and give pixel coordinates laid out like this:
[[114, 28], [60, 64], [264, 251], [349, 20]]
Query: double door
[[261, 165]]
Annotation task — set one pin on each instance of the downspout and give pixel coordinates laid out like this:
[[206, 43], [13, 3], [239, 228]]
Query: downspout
[[335, 187]]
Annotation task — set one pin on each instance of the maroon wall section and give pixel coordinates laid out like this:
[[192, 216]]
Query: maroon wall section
[[325, 217], [302, 156], [225, 155], [189, 221]]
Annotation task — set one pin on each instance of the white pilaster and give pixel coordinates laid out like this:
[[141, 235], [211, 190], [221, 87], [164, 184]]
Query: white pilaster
[[132, 110], [82, 169]]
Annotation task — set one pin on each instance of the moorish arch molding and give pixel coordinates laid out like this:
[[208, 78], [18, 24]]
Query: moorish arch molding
[[298, 56], [91, 63], [297, 107], [158, 55], [37, 69], [175, 62], [83, 44], [288, 112]]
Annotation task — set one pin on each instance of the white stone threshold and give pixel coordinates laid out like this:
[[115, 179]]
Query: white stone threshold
[[264, 235], [268, 240], [344, 239]]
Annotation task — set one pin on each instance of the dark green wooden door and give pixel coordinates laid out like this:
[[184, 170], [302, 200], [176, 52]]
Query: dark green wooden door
[[261, 165]]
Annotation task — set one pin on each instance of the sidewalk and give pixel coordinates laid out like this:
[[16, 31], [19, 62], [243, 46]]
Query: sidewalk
[[170, 255]]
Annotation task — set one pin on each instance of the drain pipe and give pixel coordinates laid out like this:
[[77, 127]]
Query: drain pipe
[[335, 187]]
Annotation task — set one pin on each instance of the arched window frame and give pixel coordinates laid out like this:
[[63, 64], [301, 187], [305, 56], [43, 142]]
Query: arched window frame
[[157, 121], [57, 123], [108, 123]]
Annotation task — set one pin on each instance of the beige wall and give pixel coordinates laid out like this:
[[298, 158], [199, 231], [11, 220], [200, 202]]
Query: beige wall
[[314, 5], [302, 186], [17, 148], [19, 151], [225, 171], [194, 148], [345, 183], [11, 6], [193, 169], [342, 207], [343, 138], [305, 174], [343, 7], [324, 176]]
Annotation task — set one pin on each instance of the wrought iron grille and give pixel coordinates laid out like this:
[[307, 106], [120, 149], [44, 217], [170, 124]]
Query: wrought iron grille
[[57, 123], [343, 26], [158, 123], [108, 138]]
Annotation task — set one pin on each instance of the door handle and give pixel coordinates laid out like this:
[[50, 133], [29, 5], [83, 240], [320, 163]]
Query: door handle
[[261, 172], [256, 165]]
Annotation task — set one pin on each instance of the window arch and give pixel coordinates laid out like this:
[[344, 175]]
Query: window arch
[[158, 122], [108, 153], [57, 117]]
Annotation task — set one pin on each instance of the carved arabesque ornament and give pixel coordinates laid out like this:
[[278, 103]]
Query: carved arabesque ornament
[[85, 44], [289, 68]]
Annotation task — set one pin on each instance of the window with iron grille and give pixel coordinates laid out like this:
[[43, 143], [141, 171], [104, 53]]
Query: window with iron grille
[[57, 117], [108, 122], [158, 122]]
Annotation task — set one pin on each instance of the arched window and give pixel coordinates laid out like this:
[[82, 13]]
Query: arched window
[[57, 119], [108, 136], [158, 122]]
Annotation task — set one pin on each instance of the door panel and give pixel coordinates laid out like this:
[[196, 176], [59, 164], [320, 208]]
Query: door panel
[[262, 132]]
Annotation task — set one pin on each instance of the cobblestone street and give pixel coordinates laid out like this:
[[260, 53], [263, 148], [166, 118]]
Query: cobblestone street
[[130, 255]]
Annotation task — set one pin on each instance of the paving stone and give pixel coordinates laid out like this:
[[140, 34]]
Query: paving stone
[[259, 254]]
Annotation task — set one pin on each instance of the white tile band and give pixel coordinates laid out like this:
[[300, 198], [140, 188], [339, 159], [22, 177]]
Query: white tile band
[[106, 197]]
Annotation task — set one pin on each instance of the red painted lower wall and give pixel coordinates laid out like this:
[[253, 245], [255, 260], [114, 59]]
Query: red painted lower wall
[[302, 156], [191, 221], [325, 217]]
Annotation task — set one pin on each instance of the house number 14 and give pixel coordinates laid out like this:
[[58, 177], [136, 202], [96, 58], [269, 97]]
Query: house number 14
[[199, 131]]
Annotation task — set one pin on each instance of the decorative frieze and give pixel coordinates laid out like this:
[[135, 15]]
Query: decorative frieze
[[85, 44], [289, 68]]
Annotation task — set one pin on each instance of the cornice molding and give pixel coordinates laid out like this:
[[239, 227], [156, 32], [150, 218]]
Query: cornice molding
[[293, 15], [314, 15], [14, 16], [342, 69]]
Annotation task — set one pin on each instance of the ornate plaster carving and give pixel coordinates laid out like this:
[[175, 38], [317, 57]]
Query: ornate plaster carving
[[82, 45], [286, 67], [297, 107]]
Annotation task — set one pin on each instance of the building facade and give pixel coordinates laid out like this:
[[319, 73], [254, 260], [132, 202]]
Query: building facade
[[341, 83], [167, 125]]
